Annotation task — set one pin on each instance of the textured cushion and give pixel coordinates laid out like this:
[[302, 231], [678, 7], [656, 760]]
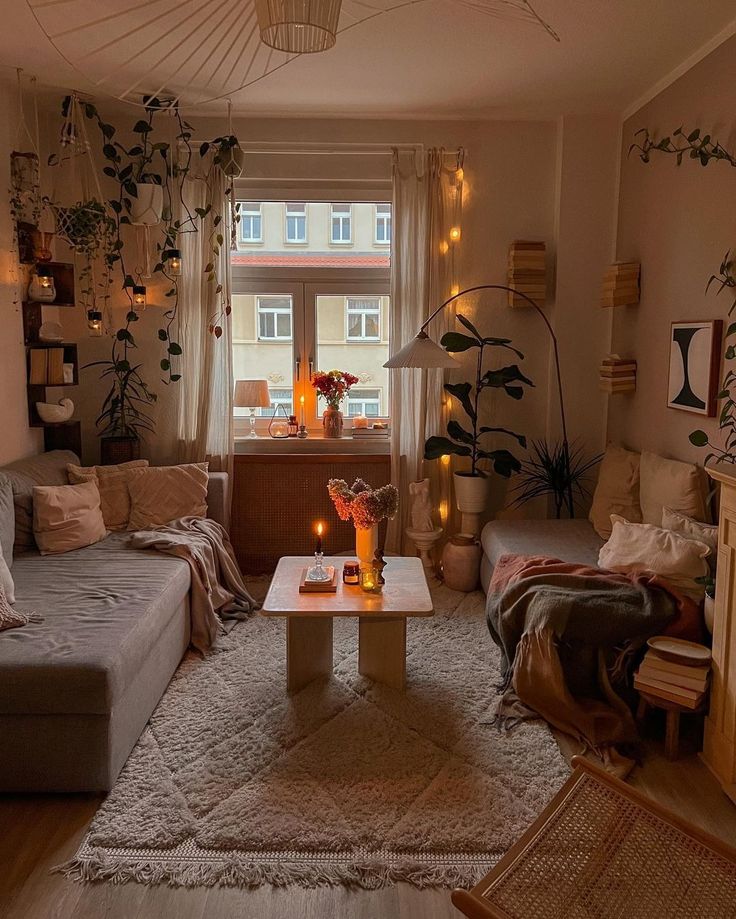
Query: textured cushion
[[44, 469], [568, 540], [112, 482], [641, 547], [161, 494], [6, 579], [617, 491], [693, 529], [67, 517], [670, 483], [7, 519]]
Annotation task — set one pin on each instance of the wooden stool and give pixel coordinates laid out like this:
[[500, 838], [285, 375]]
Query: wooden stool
[[673, 710]]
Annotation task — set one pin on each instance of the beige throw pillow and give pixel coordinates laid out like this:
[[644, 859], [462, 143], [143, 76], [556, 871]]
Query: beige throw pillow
[[693, 529], [641, 547], [67, 517], [112, 482], [6, 579], [161, 494], [670, 483], [617, 491]]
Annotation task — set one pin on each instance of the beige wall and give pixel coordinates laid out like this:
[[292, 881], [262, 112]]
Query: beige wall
[[679, 222]]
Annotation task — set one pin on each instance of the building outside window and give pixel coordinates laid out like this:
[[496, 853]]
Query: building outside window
[[341, 223], [364, 402], [274, 319], [383, 224], [296, 222], [279, 396], [251, 222], [363, 318]]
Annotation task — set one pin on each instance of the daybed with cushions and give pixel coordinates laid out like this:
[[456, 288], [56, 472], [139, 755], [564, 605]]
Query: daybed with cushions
[[77, 688]]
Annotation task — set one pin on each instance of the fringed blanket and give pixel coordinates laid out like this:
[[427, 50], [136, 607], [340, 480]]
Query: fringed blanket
[[566, 631], [217, 590]]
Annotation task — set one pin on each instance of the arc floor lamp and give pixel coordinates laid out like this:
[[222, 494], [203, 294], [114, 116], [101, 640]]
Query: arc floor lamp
[[422, 352]]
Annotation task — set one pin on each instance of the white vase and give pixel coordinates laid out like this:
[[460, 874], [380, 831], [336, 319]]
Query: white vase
[[709, 610], [471, 496], [366, 543], [146, 209]]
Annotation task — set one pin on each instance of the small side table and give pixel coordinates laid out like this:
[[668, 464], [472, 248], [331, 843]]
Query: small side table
[[673, 710]]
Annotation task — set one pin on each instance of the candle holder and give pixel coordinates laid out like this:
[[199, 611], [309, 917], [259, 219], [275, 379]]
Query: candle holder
[[370, 581], [302, 432], [317, 572]]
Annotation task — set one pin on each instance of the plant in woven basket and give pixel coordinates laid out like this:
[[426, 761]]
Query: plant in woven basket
[[547, 471]]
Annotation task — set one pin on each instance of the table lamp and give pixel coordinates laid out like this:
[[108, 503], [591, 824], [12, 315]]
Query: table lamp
[[252, 394]]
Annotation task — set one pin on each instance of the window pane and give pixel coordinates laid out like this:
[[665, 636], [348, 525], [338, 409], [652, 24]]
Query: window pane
[[352, 336]]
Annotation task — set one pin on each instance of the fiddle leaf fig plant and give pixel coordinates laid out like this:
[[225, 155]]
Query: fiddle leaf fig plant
[[470, 441]]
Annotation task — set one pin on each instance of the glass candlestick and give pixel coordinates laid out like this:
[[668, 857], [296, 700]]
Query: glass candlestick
[[317, 572]]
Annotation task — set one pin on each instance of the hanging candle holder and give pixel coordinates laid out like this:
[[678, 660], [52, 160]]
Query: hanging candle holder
[[278, 426], [173, 262], [139, 297], [94, 323]]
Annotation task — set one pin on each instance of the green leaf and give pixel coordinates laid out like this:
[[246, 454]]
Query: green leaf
[[174, 348], [461, 391], [436, 447], [504, 463], [469, 326], [458, 432], [698, 438], [519, 437], [500, 379], [456, 342], [165, 364], [124, 335], [175, 377], [141, 127], [162, 335]]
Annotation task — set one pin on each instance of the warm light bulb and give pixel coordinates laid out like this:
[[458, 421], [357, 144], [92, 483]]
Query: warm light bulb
[[301, 399], [444, 247], [443, 511], [139, 296], [445, 459], [455, 234]]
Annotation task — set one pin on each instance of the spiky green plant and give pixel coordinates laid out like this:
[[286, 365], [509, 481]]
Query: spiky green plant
[[545, 472]]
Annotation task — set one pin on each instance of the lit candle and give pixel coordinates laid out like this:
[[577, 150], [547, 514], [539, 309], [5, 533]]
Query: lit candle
[[139, 296], [318, 549], [360, 422], [301, 405]]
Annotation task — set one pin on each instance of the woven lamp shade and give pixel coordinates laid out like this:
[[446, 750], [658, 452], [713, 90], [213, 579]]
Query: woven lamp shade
[[298, 26], [252, 394]]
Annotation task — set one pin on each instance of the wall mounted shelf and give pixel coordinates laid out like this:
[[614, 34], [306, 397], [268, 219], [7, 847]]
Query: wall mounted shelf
[[621, 284], [527, 272]]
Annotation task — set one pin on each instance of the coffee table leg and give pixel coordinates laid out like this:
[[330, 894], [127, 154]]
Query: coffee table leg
[[308, 650], [382, 650]]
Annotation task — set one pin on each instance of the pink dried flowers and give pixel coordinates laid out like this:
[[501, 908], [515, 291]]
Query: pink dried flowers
[[366, 506]]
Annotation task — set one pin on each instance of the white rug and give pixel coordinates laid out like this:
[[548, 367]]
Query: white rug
[[235, 782]]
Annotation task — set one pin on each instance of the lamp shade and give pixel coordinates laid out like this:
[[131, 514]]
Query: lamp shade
[[421, 351], [298, 26], [252, 394]]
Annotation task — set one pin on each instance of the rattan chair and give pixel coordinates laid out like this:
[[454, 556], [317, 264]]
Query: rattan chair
[[602, 850]]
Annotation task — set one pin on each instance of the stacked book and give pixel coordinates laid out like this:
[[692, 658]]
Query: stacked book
[[527, 272], [664, 679], [373, 431], [621, 284], [46, 367], [617, 374]]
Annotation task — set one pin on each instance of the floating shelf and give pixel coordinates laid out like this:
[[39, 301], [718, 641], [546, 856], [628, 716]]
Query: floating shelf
[[621, 284], [617, 375], [527, 272]]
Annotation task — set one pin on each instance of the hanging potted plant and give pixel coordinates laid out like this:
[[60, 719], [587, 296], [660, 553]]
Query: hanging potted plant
[[333, 387], [471, 485], [228, 154], [144, 184]]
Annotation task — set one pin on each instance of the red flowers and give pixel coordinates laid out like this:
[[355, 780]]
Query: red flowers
[[333, 386]]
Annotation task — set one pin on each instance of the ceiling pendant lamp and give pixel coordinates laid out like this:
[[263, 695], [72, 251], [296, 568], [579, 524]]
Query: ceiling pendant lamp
[[298, 26]]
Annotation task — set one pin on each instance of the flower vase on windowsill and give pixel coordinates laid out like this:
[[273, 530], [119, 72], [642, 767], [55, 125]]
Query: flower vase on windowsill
[[333, 387], [332, 422]]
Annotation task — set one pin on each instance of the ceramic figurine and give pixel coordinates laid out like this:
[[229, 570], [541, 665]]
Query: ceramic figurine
[[421, 507], [379, 563]]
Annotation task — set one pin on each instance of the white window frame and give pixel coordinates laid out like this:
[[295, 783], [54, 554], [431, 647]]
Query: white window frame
[[295, 215], [362, 312], [246, 212], [276, 311], [386, 219], [354, 396], [345, 213]]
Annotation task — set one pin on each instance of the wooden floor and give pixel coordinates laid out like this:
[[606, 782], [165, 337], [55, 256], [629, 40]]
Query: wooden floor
[[38, 832]]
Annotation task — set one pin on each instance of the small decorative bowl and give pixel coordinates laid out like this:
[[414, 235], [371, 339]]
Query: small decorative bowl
[[55, 413]]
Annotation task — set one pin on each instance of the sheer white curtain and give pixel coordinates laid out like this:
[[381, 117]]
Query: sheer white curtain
[[205, 416], [426, 206]]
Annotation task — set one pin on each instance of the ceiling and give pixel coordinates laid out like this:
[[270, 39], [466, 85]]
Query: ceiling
[[436, 58]]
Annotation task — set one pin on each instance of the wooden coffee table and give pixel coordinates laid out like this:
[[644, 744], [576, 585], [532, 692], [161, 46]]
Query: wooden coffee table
[[382, 619]]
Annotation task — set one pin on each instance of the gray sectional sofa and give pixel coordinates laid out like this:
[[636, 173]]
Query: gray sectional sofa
[[77, 689]]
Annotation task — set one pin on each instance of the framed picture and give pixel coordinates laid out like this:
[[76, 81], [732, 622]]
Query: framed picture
[[695, 358]]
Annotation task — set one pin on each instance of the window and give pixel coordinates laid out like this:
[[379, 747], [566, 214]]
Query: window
[[251, 222], [283, 397], [341, 223], [364, 402], [274, 319], [296, 222], [383, 224], [363, 319]]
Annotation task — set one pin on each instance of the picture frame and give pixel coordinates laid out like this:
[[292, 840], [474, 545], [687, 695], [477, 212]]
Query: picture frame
[[694, 364]]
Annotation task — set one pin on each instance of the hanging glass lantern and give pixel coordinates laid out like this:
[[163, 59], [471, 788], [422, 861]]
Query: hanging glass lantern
[[94, 323], [41, 288], [173, 262], [139, 297], [298, 26]]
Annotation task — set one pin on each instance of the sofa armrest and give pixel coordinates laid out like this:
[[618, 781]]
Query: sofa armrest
[[218, 497]]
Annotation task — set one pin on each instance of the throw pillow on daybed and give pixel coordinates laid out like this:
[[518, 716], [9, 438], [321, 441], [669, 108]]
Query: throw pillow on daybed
[[617, 491], [67, 517], [671, 483], [112, 482], [641, 547], [692, 529], [160, 494], [6, 579]]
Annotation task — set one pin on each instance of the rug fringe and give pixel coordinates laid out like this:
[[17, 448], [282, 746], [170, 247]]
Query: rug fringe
[[240, 873]]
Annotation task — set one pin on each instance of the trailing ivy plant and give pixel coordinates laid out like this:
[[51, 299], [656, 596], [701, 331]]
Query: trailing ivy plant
[[694, 144], [460, 440]]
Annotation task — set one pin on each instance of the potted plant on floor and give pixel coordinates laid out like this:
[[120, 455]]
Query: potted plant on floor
[[471, 485]]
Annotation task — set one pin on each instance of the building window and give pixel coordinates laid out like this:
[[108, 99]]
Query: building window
[[251, 222], [341, 223], [279, 396], [296, 222], [363, 318], [364, 402], [274, 319], [383, 224]]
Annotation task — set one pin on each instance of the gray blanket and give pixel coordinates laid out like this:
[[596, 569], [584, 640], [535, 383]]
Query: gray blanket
[[217, 589]]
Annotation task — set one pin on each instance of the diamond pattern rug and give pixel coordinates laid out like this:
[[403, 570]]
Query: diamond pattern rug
[[236, 782]]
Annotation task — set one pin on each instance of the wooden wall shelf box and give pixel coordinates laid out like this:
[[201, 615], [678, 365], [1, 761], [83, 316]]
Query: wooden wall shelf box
[[621, 284], [527, 272]]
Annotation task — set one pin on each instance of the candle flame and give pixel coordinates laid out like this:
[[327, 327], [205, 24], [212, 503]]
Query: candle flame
[[319, 529], [301, 399]]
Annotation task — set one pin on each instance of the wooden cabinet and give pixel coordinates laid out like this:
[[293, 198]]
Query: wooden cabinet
[[719, 742]]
